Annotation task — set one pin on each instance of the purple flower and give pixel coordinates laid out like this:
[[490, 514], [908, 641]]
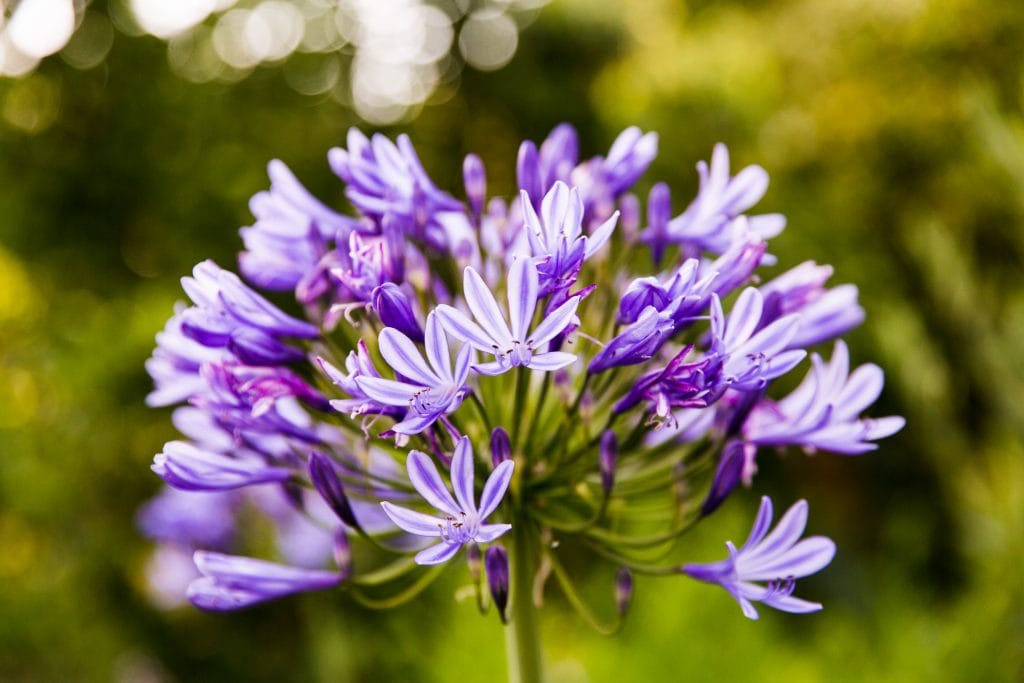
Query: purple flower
[[383, 178], [750, 359], [823, 412], [229, 314], [372, 260], [230, 582], [825, 314], [602, 179], [291, 232], [175, 364], [684, 296], [739, 359], [515, 347], [496, 563], [538, 171], [556, 238], [462, 521], [709, 221], [358, 364], [638, 343], [189, 468], [778, 558], [429, 391]]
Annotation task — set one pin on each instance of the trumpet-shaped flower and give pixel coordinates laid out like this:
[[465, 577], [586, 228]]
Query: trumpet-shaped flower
[[556, 238], [429, 391], [230, 582], [823, 412], [516, 346], [778, 558], [461, 520]]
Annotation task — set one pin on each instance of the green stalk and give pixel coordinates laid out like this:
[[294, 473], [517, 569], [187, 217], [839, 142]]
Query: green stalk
[[522, 634]]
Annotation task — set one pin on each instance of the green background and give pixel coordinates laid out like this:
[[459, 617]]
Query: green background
[[894, 134]]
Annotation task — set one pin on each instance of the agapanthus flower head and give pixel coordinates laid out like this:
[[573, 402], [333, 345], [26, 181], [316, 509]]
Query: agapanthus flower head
[[778, 558], [629, 405]]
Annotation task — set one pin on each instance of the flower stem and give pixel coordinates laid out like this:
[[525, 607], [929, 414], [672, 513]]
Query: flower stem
[[522, 634]]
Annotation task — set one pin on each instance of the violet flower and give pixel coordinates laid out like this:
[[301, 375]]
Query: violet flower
[[429, 391], [556, 238], [825, 313], [462, 521], [230, 582], [189, 468], [778, 558], [708, 222], [515, 347], [290, 235], [823, 412]]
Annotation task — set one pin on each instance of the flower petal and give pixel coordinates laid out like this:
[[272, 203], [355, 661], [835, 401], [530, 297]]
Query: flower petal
[[462, 475], [553, 360], [438, 554], [428, 483], [522, 296], [404, 358], [553, 323], [387, 391], [464, 329], [489, 532], [485, 308], [412, 521], [437, 348], [494, 489]]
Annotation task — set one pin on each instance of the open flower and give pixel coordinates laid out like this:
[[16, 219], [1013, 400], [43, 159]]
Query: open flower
[[461, 521], [515, 347], [429, 391], [778, 558]]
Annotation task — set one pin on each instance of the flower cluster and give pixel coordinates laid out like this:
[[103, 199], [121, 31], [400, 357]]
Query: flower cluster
[[465, 372]]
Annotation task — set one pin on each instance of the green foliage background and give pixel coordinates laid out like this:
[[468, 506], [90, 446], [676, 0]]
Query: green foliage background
[[894, 134]]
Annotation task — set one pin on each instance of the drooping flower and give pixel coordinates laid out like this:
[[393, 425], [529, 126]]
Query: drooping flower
[[429, 391], [491, 334], [778, 558], [462, 521], [231, 582], [824, 411], [186, 467]]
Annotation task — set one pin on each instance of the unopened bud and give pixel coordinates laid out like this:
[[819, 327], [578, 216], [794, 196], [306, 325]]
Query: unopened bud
[[325, 481], [623, 590], [496, 563], [475, 178], [607, 459], [395, 310], [501, 447], [528, 172]]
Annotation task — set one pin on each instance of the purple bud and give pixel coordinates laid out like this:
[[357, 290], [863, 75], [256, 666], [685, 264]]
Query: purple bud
[[659, 212], [394, 310], [629, 216], [609, 455], [623, 590], [496, 563], [528, 171], [475, 177], [342, 553], [501, 446], [737, 457], [325, 480]]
